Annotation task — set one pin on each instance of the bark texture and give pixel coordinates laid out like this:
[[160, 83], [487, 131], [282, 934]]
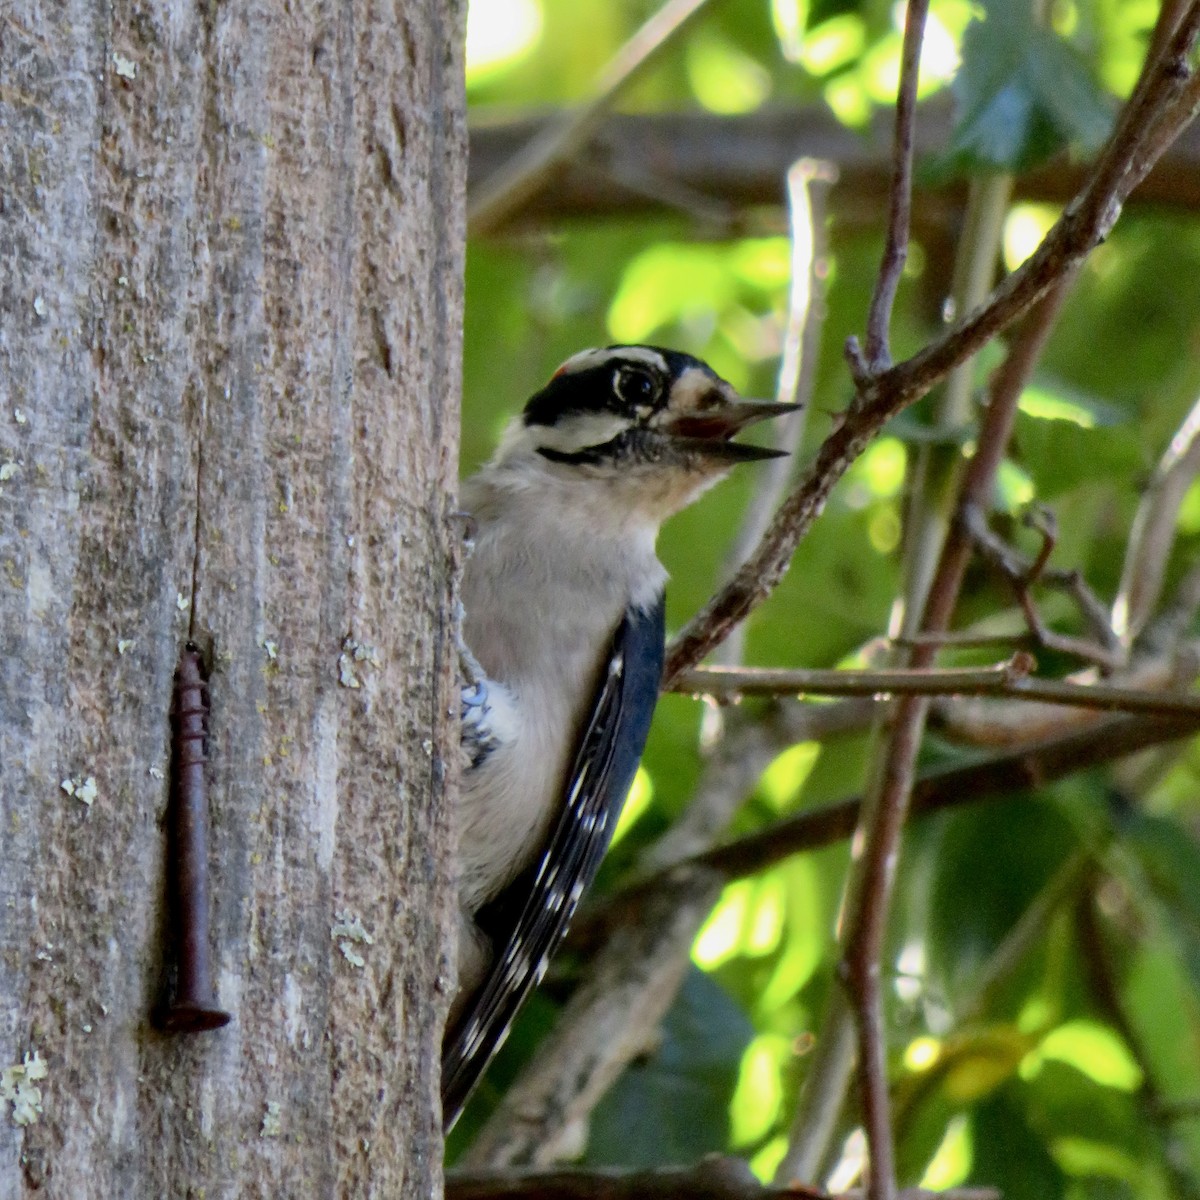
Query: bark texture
[[230, 306]]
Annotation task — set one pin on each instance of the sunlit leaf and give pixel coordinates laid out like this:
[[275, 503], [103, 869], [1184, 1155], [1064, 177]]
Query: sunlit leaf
[[1024, 228], [725, 79], [782, 780], [758, 1098], [640, 797], [977, 1063], [1082, 1156], [765, 1163], [765, 926], [804, 936], [951, 1163], [1014, 488], [882, 467], [922, 1053], [697, 285], [765, 263], [833, 44], [1093, 1049], [789, 18], [721, 935], [849, 100], [1126, 36], [1053, 400]]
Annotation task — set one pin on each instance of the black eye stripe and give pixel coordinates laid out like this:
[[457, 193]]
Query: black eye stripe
[[623, 386]]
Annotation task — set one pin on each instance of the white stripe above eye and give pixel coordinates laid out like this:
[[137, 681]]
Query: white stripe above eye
[[585, 360]]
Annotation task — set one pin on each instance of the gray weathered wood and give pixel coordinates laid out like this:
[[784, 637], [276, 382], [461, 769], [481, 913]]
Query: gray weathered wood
[[230, 307]]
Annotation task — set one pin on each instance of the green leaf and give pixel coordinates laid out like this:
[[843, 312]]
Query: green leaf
[[1061, 454], [1008, 1154], [990, 865], [674, 1107], [1096, 1133], [1022, 94], [1170, 862]]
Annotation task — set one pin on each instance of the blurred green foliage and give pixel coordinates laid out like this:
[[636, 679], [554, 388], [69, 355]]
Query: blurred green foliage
[[1062, 1062]]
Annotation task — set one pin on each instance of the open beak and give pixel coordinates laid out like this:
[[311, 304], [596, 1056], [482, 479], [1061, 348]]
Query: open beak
[[709, 431]]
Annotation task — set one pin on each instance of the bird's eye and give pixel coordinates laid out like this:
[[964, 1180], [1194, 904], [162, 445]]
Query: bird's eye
[[636, 386]]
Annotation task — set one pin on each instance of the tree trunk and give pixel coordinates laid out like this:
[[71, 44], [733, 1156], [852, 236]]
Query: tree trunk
[[230, 307]]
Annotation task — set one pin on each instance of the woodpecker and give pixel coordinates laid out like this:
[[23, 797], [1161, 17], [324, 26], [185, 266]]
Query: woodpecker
[[563, 631]]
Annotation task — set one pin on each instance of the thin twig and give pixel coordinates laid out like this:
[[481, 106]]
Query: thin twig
[[808, 181], [1106, 650], [895, 250], [1154, 530], [964, 640], [1009, 680], [993, 723], [503, 193]]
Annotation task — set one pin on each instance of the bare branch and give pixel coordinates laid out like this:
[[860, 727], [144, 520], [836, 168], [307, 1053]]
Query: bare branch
[[1008, 680], [713, 1178], [725, 172], [808, 181], [1154, 528], [1002, 723], [502, 193], [870, 895], [963, 640], [895, 250]]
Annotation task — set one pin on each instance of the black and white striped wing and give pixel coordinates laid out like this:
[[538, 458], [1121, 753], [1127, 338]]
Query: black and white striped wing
[[601, 776]]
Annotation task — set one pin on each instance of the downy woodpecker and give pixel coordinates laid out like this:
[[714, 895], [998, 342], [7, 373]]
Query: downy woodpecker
[[563, 600]]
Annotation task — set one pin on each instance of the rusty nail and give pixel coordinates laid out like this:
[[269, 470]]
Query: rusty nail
[[194, 1008]]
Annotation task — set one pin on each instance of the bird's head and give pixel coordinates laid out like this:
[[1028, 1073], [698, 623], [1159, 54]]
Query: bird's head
[[653, 426]]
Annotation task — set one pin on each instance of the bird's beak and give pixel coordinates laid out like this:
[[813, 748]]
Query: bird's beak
[[708, 430]]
